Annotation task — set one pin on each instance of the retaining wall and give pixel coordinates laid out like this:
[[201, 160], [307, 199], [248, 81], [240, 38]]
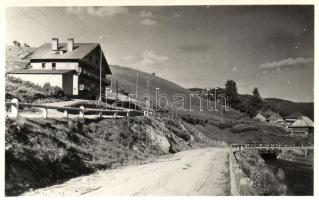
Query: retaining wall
[[240, 184]]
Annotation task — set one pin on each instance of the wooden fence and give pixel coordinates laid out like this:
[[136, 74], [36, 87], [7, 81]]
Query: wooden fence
[[15, 105]]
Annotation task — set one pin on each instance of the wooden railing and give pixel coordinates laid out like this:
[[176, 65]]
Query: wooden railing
[[15, 105]]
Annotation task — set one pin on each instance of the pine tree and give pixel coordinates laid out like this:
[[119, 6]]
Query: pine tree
[[231, 93]]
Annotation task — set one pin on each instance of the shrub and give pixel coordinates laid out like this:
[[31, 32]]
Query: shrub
[[46, 87], [243, 128], [265, 181]]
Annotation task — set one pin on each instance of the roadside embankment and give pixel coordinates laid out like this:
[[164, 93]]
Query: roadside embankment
[[251, 176], [240, 184], [43, 152]]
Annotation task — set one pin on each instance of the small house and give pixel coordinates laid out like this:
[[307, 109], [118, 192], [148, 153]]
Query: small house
[[290, 119], [276, 119], [302, 127], [260, 117]]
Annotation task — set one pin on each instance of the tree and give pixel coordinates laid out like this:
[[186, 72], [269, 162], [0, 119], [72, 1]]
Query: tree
[[231, 93], [16, 43], [255, 103], [256, 100]]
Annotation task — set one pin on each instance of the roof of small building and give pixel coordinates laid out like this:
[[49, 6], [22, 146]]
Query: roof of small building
[[40, 71], [260, 114], [275, 116], [80, 50], [303, 121]]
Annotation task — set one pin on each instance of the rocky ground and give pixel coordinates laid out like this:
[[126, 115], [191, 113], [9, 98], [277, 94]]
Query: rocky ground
[[42, 152]]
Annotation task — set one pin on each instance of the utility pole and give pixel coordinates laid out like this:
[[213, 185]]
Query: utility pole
[[136, 85], [117, 89], [149, 87], [221, 112], [101, 67]]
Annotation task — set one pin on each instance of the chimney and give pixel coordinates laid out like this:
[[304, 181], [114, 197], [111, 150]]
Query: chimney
[[70, 44], [55, 44]]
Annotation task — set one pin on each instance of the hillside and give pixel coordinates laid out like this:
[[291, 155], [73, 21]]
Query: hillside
[[16, 58], [127, 82], [42, 152], [126, 77], [286, 107]]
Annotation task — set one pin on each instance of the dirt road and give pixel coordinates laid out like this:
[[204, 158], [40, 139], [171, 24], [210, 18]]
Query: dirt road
[[193, 172]]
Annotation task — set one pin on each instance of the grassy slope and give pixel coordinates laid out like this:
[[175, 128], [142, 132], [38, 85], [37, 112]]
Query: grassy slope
[[284, 107], [16, 58], [245, 133], [42, 152], [127, 80]]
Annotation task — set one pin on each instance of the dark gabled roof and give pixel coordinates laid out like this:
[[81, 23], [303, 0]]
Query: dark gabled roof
[[40, 71], [79, 52]]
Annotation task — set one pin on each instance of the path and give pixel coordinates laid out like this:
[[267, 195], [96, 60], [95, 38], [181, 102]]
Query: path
[[194, 172]]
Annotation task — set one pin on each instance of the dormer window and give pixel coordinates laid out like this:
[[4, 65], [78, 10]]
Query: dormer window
[[43, 65], [53, 66]]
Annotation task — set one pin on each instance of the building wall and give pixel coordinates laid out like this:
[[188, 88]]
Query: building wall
[[41, 79], [75, 84], [68, 83], [59, 65]]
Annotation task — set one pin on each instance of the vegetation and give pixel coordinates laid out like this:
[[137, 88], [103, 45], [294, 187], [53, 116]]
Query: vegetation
[[16, 43], [42, 152], [29, 92], [266, 181], [231, 93]]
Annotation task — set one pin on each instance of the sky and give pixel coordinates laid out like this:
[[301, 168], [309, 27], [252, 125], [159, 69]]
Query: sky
[[268, 47]]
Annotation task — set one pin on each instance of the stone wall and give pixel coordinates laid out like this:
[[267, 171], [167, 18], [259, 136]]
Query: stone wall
[[240, 184]]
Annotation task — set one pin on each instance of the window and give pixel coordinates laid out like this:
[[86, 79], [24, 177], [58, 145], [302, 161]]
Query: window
[[81, 86], [43, 65], [53, 66]]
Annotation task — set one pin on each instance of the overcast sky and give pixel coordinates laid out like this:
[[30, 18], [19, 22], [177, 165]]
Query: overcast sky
[[269, 47]]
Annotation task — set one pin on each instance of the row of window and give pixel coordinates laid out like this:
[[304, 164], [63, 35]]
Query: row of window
[[53, 66]]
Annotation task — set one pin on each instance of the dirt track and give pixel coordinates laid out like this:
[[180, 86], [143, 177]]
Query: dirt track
[[194, 172]]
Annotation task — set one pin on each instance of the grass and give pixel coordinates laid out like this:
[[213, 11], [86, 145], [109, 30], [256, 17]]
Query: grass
[[26, 91], [265, 180], [241, 132], [127, 81], [43, 152]]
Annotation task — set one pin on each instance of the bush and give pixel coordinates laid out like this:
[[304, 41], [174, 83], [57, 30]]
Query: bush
[[241, 128], [265, 181]]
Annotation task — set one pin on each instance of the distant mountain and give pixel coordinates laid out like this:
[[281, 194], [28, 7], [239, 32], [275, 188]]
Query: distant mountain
[[286, 107]]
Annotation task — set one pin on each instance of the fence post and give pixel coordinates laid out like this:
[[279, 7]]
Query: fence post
[[128, 113], [15, 108], [243, 187], [66, 114], [81, 112], [115, 115], [44, 113]]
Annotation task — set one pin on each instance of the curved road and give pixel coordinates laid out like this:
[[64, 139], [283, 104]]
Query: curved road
[[194, 172]]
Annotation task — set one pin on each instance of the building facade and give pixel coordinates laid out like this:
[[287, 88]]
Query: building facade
[[79, 69]]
